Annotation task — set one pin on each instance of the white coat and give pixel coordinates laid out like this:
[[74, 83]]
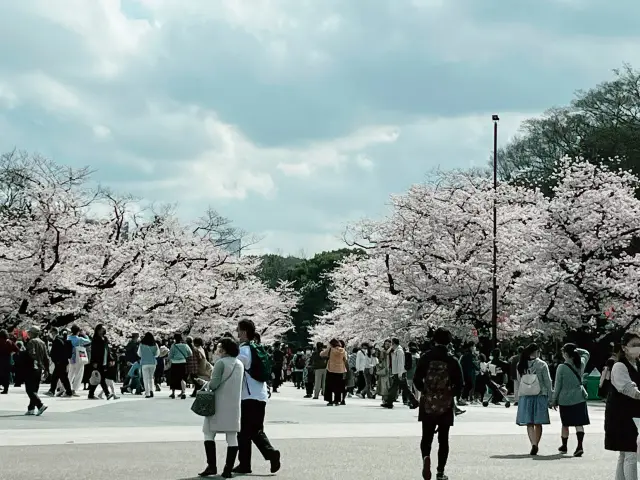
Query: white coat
[[227, 417]]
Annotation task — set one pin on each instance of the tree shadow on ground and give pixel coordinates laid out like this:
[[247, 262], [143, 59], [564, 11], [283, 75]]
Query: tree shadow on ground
[[539, 458]]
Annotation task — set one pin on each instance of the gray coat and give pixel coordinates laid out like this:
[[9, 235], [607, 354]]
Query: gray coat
[[227, 417]]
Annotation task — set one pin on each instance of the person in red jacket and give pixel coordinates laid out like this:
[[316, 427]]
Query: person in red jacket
[[7, 348]]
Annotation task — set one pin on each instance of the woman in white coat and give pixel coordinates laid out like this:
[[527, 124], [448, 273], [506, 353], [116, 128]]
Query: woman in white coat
[[226, 381]]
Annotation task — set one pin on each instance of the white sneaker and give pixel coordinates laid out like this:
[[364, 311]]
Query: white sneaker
[[41, 410], [30, 413]]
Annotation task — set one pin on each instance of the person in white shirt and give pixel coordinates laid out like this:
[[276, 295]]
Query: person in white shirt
[[253, 405], [362, 363]]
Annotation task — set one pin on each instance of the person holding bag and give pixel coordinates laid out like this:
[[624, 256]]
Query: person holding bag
[[219, 403], [570, 395]]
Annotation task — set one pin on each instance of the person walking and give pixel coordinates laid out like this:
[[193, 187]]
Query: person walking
[[100, 352], [178, 356], [623, 405], [439, 377], [226, 382], [61, 352], [362, 362], [79, 358], [535, 390], [254, 401], [35, 361], [148, 353], [570, 395], [8, 348]]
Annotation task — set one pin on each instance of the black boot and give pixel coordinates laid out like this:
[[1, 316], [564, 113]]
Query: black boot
[[232, 453], [210, 451]]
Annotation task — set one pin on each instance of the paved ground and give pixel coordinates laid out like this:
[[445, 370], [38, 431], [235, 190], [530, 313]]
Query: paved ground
[[160, 439]]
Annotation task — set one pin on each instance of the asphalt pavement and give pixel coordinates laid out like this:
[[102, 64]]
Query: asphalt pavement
[[160, 439]]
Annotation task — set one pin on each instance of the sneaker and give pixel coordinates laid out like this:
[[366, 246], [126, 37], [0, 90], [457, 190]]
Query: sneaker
[[462, 403], [578, 453], [41, 410], [441, 476], [30, 412], [563, 449]]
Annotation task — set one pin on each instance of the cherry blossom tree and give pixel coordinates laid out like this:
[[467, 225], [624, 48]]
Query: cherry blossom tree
[[562, 261], [72, 254], [581, 266]]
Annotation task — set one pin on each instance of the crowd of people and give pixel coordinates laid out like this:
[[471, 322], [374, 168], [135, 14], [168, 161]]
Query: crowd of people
[[243, 374]]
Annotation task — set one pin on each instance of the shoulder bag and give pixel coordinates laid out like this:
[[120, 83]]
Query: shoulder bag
[[205, 403], [583, 390]]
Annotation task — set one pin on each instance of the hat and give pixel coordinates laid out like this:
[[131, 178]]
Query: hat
[[164, 351]]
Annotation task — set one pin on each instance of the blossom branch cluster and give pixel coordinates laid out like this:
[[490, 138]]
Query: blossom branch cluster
[[563, 261]]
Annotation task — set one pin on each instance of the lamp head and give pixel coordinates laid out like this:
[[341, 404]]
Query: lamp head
[[495, 118]]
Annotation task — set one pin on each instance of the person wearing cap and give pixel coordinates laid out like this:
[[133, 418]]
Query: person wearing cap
[[38, 362]]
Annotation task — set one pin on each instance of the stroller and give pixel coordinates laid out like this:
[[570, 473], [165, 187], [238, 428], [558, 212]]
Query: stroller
[[498, 391]]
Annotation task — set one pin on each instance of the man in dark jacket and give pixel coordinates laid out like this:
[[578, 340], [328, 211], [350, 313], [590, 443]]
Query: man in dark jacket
[[61, 352], [439, 378]]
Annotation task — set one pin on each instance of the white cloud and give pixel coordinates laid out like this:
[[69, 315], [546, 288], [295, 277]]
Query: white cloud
[[290, 242], [100, 131], [364, 162]]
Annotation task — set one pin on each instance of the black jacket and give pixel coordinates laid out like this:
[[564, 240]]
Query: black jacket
[[99, 350], [620, 431], [439, 353], [61, 350]]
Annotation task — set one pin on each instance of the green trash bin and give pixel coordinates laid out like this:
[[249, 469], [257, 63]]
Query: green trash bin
[[593, 385]]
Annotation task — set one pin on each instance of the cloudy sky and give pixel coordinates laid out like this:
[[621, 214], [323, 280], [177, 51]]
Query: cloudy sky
[[291, 117]]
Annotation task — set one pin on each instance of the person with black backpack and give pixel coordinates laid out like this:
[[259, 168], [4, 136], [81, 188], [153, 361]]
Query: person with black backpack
[[439, 377], [255, 394]]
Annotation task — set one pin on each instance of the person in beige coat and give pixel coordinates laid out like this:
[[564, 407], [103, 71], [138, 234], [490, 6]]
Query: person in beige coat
[[226, 381]]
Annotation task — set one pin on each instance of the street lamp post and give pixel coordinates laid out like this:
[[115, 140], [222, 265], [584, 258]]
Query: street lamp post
[[494, 265]]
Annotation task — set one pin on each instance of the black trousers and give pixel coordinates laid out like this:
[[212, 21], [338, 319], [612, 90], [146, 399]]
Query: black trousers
[[31, 386], [429, 427], [60, 373], [334, 389], [277, 377], [252, 430], [400, 384], [103, 383]]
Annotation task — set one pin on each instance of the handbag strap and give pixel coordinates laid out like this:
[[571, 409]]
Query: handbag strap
[[575, 372], [228, 377]]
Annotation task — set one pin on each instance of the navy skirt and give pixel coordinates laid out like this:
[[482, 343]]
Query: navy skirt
[[574, 415]]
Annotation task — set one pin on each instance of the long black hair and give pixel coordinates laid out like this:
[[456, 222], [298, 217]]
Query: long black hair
[[148, 339], [570, 350], [523, 364]]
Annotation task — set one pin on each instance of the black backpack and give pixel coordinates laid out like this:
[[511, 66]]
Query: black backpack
[[437, 395], [408, 361]]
